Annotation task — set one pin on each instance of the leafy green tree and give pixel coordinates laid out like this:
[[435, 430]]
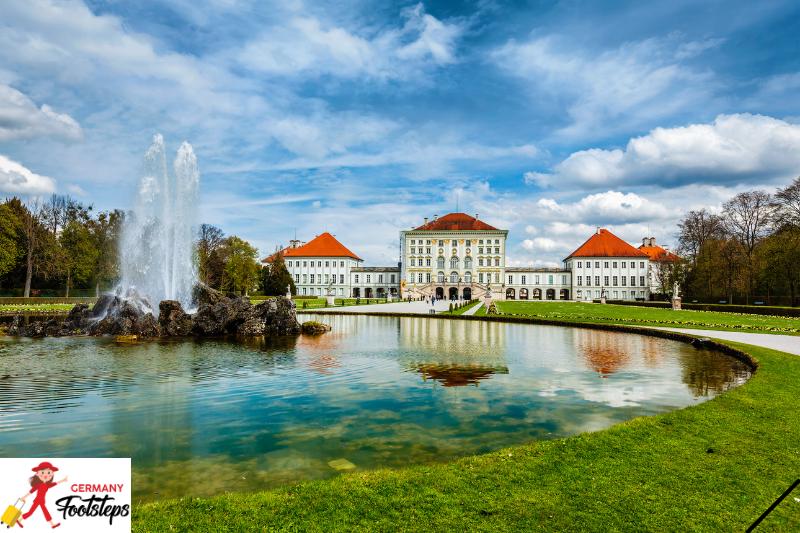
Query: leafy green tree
[[105, 234], [241, 269], [275, 277], [10, 240], [210, 264], [79, 254]]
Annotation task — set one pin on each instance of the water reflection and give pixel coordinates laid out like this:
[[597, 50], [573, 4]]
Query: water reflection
[[199, 418]]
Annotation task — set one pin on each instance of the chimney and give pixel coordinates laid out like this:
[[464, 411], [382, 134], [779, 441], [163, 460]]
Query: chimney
[[652, 241], [598, 230], [645, 241], [476, 216], [435, 217], [426, 220]]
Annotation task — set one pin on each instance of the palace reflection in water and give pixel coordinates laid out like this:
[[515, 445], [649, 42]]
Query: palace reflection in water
[[201, 418]]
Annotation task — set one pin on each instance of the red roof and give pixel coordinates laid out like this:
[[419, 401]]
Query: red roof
[[659, 254], [324, 245], [603, 243], [456, 222]]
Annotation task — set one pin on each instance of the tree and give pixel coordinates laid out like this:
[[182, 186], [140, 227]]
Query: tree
[[105, 234], [695, 230], [241, 269], [786, 205], [275, 277], [209, 262], [10, 239], [79, 254], [747, 220]]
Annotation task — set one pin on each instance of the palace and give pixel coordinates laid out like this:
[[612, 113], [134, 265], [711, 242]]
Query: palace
[[459, 256]]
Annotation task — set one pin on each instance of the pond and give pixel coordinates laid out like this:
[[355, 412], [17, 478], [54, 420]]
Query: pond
[[201, 418]]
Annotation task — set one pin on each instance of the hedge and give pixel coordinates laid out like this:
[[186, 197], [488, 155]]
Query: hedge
[[723, 308]]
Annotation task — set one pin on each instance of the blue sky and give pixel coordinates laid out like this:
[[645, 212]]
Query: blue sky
[[361, 118]]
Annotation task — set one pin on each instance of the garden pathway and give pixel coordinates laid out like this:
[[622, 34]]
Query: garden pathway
[[783, 343], [474, 309]]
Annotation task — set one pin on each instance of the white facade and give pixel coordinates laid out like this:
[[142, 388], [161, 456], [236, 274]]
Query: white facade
[[621, 278], [528, 283], [313, 275], [374, 282]]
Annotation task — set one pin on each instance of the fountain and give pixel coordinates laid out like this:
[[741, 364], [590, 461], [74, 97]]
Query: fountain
[[157, 266]]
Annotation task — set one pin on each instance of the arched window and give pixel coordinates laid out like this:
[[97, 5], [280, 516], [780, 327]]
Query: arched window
[[468, 277], [467, 263], [454, 262], [440, 262], [453, 277], [440, 277]]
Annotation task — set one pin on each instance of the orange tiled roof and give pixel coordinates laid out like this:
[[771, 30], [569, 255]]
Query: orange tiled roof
[[324, 245], [456, 222], [659, 254], [603, 243]]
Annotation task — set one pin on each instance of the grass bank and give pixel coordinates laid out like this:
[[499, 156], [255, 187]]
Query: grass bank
[[592, 313], [711, 467]]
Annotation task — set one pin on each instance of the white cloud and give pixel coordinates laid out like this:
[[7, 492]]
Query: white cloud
[[732, 149], [15, 179], [307, 46], [609, 207], [21, 119], [610, 90]]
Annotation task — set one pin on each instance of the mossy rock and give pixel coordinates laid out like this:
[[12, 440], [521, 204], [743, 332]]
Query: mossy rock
[[314, 328]]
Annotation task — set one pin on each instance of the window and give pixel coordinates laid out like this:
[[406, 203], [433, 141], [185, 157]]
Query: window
[[497, 261], [413, 262], [454, 262], [304, 291], [580, 281], [297, 278], [605, 281], [427, 250], [614, 279], [497, 278], [440, 277], [393, 277], [312, 278], [413, 250], [356, 278], [510, 280], [419, 277], [624, 280], [341, 264], [469, 242], [623, 265], [497, 241], [480, 277], [614, 265], [327, 263], [380, 278], [641, 281], [441, 243], [497, 250], [563, 280], [326, 278], [597, 264], [413, 241], [453, 277], [523, 280], [579, 264], [428, 241], [467, 263], [427, 278], [633, 281], [480, 251], [319, 263], [288, 263], [305, 263], [537, 280], [641, 264], [341, 278], [440, 262], [480, 261], [468, 277], [454, 242], [305, 277], [550, 279], [428, 262], [368, 278], [597, 281], [605, 264]]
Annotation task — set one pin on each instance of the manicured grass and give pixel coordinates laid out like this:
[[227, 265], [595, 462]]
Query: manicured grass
[[461, 310], [34, 308], [711, 467], [634, 315]]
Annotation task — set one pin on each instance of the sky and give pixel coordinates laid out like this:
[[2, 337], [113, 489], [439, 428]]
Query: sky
[[546, 118]]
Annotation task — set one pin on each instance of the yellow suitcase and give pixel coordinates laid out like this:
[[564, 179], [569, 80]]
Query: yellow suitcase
[[11, 515]]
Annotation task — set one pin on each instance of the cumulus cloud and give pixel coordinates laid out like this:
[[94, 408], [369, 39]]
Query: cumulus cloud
[[611, 89], [307, 46], [20, 118], [15, 179], [610, 207], [732, 149]]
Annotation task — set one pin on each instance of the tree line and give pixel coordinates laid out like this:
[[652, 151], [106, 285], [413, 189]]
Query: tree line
[[57, 245], [746, 253]]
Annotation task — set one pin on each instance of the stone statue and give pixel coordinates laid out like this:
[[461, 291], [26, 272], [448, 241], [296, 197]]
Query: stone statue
[[289, 292], [330, 291], [676, 290]]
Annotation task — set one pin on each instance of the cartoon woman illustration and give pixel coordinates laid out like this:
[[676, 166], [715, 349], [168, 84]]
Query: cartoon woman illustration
[[41, 482]]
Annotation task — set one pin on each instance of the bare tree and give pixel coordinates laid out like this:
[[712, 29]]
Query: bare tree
[[696, 229], [786, 205], [31, 229], [747, 218]]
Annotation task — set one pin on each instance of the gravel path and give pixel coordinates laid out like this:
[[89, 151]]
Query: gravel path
[[783, 343]]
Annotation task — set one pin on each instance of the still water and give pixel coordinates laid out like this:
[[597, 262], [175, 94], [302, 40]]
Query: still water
[[200, 418]]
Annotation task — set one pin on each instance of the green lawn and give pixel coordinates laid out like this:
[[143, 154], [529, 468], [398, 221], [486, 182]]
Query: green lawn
[[461, 310], [635, 315], [35, 308], [711, 467]]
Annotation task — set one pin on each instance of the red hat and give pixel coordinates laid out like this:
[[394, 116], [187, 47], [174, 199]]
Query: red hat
[[44, 465]]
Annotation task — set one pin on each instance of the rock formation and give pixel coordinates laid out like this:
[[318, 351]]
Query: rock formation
[[217, 315]]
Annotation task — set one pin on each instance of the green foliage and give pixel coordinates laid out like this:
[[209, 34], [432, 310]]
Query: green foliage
[[11, 249], [241, 268], [275, 278], [78, 253]]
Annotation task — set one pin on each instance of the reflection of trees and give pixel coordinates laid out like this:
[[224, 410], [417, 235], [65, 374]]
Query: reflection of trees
[[604, 352], [458, 376], [708, 373]]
